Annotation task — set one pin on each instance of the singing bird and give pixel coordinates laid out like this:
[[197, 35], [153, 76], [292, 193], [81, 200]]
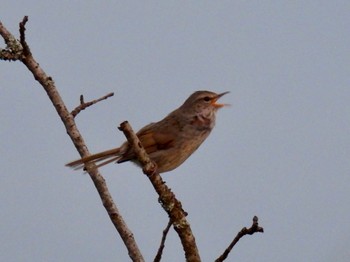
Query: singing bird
[[170, 141]]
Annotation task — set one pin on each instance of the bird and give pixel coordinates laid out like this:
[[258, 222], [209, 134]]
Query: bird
[[170, 141]]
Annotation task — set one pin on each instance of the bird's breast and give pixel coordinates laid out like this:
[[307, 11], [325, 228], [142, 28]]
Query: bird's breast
[[202, 123]]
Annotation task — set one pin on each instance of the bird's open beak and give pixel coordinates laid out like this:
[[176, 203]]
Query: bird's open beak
[[215, 99]]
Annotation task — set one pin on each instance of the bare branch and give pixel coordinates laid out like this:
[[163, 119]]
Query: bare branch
[[72, 130], [161, 247], [13, 50], [83, 105], [167, 198], [22, 29], [250, 231]]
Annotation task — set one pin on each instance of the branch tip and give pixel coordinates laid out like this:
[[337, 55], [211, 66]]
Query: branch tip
[[14, 49], [83, 105], [22, 29], [82, 99]]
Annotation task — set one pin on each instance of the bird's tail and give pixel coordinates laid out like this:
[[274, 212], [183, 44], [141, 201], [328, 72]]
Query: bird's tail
[[101, 159]]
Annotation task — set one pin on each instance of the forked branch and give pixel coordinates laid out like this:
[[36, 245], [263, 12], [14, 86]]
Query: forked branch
[[19, 50], [245, 231], [83, 105]]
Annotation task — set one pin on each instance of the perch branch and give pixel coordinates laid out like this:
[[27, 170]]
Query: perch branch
[[166, 197], [83, 105], [68, 120], [245, 231]]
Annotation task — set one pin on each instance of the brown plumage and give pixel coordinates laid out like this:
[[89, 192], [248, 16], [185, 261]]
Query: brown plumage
[[170, 141]]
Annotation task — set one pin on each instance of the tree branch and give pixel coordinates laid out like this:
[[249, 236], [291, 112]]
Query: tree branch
[[14, 49], [83, 105], [250, 231], [68, 120], [161, 246], [22, 30], [167, 198]]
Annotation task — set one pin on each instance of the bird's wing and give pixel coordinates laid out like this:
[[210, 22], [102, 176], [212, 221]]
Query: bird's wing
[[152, 140]]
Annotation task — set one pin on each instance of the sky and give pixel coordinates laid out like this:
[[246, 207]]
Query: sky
[[280, 151]]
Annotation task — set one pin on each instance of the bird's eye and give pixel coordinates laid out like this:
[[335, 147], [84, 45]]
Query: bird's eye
[[206, 99]]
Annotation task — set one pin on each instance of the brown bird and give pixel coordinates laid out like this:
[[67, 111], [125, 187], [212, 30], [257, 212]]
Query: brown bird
[[170, 141]]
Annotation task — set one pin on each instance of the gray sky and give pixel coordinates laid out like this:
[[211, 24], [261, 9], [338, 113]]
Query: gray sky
[[281, 151]]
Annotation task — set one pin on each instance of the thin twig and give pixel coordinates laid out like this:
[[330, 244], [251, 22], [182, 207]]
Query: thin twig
[[22, 29], [245, 231], [161, 247], [83, 105]]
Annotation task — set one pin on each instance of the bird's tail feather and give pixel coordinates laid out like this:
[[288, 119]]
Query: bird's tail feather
[[108, 155]]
